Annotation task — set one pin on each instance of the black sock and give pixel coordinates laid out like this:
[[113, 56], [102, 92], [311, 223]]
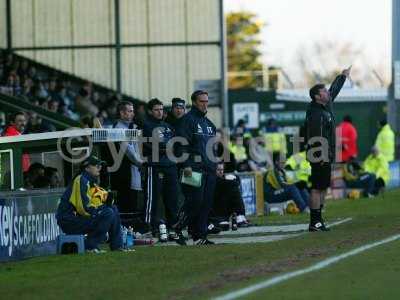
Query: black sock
[[315, 216]]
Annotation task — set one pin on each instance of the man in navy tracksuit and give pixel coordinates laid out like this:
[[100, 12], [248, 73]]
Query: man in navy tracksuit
[[161, 171], [199, 133]]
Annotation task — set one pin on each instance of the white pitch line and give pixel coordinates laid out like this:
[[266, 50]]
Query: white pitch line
[[318, 266]]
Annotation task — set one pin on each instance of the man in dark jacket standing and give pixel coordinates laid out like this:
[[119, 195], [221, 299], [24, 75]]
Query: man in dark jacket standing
[[178, 110], [161, 171], [320, 139], [199, 132]]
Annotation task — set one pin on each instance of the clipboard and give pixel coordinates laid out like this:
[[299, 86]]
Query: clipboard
[[194, 180]]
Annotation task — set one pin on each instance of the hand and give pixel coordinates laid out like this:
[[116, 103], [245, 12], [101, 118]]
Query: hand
[[110, 198], [346, 72], [187, 172]]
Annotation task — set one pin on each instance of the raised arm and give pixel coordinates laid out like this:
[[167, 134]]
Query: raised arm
[[338, 83]]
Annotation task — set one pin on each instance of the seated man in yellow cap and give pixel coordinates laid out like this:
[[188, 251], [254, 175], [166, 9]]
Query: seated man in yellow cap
[[277, 188], [86, 208], [355, 176]]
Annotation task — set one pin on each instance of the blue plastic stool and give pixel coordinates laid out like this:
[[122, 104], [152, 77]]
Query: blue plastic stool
[[74, 243]]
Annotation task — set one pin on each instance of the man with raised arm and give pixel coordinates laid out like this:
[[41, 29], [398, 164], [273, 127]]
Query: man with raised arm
[[320, 140]]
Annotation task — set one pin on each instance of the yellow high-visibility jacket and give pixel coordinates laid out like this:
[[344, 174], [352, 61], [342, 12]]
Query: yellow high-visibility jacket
[[238, 151], [378, 165], [300, 165], [275, 142], [385, 142]]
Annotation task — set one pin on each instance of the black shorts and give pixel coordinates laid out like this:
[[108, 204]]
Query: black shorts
[[321, 175]]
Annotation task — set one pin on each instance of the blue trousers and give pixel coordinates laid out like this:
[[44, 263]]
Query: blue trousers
[[105, 221], [288, 192], [366, 182], [198, 203]]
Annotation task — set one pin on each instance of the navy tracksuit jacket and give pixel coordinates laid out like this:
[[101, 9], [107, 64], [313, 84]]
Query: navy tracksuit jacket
[[199, 131], [161, 173]]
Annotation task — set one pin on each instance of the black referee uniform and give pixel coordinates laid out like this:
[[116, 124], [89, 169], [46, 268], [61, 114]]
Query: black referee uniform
[[320, 123]]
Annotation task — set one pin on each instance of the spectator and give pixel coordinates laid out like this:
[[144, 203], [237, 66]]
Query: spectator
[[112, 112], [84, 105], [86, 208], [301, 168], [377, 164], [140, 108], [53, 177], [37, 125], [227, 200], [41, 182], [241, 129], [385, 142], [240, 153], [356, 177], [53, 105], [127, 179], [23, 69], [35, 171], [275, 141], [299, 165], [278, 189], [348, 136], [223, 153], [17, 127]]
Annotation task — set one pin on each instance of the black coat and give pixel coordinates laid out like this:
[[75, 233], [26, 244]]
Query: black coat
[[198, 130], [320, 121]]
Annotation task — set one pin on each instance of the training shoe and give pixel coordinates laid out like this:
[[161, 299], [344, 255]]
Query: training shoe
[[224, 225], [172, 236], [212, 229], [201, 242], [96, 251], [242, 222], [319, 226], [180, 240], [125, 250]]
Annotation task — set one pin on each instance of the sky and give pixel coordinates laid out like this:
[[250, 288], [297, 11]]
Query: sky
[[291, 24]]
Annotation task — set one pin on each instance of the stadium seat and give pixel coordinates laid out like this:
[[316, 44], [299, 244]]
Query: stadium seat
[[67, 244]]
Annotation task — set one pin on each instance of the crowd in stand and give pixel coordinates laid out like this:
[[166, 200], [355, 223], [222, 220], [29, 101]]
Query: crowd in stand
[[54, 92]]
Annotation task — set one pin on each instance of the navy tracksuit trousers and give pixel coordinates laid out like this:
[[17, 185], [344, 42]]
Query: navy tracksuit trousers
[[161, 181], [198, 203], [105, 221]]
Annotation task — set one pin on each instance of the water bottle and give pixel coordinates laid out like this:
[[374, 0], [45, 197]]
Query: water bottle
[[124, 236], [129, 238], [163, 233]]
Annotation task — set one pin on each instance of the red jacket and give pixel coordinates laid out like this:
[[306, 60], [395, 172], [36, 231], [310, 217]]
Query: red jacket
[[12, 131], [348, 135]]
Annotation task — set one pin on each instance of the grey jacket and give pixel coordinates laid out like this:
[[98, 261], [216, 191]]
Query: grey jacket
[[133, 154]]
